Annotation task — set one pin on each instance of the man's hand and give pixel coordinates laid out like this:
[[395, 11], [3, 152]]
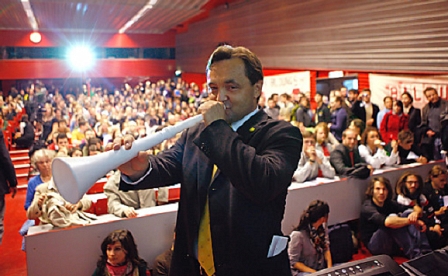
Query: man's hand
[[369, 122], [413, 217], [41, 200], [130, 213], [212, 111], [394, 145], [13, 191], [137, 166], [73, 207], [430, 133], [437, 229], [421, 226], [377, 143], [422, 160]]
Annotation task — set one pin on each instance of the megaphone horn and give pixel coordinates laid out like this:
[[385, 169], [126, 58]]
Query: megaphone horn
[[74, 176]]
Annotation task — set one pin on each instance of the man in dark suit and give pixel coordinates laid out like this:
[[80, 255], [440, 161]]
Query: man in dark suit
[[346, 160], [8, 180], [365, 110], [255, 158]]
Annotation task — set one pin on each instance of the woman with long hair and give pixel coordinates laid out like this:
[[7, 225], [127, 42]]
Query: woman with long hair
[[371, 149], [325, 140], [309, 249], [120, 256]]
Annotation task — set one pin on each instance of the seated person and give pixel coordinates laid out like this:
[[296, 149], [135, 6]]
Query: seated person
[[371, 149], [382, 229], [124, 204], [78, 135], [434, 190], [120, 256], [162, 262], [61, 143], [409, 193], [41, 161], [89, 134], [87, 147], [408, 152], [358, 126], [312, 163], [309, 248], [75, 152], [325, 141], [24, 138], [42, 191], [346, 160]]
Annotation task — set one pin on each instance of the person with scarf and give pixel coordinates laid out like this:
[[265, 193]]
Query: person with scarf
[[309, 248], [120, 256]]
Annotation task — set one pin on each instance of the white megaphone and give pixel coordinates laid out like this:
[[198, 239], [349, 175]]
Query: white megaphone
[[74, 176]]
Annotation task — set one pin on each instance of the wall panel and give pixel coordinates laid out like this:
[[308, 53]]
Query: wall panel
[[375, 36]]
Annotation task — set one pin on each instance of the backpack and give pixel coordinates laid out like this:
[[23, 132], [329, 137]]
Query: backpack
[[341, 243]]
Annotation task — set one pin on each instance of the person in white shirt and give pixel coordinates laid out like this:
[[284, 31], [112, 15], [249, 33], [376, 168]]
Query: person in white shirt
[[313, 162], [371, 149]]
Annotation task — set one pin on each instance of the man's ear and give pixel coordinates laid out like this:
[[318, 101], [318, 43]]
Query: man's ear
[[258, 88]]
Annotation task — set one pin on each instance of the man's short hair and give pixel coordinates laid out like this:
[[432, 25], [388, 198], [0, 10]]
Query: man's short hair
[[253, 67], [409, 95], [355, 91], [308, 134], [405, 134], [61, 135], [347, 130], [82, 123], [383, 180], [429, 89], [387, 97], [366, 90]]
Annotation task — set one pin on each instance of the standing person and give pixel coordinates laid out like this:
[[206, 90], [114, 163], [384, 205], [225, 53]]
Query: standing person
[[413, 113], [322, 113], [365, 109], [394, 122], [8, 180], [120, 256], [339, 118], [309, 249], [241, 204], [431, 125], [388, 101]]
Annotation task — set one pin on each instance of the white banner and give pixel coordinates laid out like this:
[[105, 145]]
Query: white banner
[[394, 86], [287, 83]]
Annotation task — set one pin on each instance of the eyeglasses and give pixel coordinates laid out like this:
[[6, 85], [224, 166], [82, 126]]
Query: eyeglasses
[[409, 142]]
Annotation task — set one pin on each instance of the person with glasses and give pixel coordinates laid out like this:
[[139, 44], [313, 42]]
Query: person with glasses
[[313, 162], [408, 152], [384, 227], [409, 190]]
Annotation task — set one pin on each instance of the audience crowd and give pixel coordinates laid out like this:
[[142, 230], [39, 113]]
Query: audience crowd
[[345, 135]]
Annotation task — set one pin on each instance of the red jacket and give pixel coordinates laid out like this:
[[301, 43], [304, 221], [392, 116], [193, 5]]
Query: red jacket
[[391, 125]]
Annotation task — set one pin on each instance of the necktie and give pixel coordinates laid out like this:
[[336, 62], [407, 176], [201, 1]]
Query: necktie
[[325, 150], [352, 158], [205, 250]]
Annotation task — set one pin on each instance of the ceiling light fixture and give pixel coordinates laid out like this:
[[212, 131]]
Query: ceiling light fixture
[[29, 13], [137, 17]]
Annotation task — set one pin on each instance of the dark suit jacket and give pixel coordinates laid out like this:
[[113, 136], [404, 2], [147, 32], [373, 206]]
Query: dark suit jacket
[[360, 112], [415, 119], [7, 173], [340, 160], [246, 197]]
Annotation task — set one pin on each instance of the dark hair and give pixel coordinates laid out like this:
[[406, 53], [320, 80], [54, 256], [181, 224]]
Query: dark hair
[[359, 124], [367, 90], [383, 180], [405, 134], [127, 242], [353, 91], [387, 97], [253, 67], [316, 210], [24, 118], [409, 95], [366, 133], [400, 104], [429, 89], [72, 150], [401, 189], [61, 135]]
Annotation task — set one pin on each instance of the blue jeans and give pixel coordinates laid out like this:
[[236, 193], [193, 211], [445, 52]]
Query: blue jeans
[[409, 239]]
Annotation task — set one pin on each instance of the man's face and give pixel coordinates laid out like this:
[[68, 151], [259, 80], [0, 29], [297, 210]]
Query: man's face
[[366, 96], [308, 143], [406, 144], [228, 84], [380, 193], [388, 103], [349, 140], [406, 100], [412, 184], [439, 182], [271, 103], [318, 98], [352, 96], [432, 96], [62, 142]]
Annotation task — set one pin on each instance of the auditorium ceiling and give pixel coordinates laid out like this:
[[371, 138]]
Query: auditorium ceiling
[[106, 16]]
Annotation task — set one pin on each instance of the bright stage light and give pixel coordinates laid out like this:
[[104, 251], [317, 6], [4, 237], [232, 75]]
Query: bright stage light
[[81, 58]]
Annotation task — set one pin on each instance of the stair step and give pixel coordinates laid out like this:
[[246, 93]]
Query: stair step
[[18, 153], [20, 160], [22, 168], [22, 179]]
